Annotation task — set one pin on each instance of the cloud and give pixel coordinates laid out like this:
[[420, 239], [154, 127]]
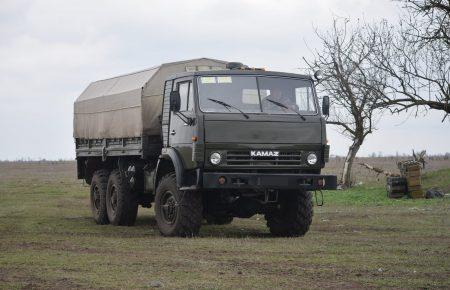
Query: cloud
[[51, 50]]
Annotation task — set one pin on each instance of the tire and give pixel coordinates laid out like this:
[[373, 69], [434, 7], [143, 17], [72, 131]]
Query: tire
[[99, 184], [218, 220], [294, 216], [121, 202], [178, 213]]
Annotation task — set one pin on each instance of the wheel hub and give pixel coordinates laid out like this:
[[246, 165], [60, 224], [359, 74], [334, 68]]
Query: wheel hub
[[96, 198], [169, 207], [113, 200]]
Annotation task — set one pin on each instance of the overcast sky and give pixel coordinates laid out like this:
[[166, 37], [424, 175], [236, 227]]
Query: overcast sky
[[51, 50]]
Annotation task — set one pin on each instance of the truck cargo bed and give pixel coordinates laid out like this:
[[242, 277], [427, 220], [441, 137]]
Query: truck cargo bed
[[134, 146]]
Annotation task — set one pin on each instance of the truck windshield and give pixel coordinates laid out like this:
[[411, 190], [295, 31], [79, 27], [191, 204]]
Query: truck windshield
[[253, 94]]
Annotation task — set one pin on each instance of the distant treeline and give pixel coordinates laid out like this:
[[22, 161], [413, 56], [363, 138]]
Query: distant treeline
[[43, 160], [444, 156]]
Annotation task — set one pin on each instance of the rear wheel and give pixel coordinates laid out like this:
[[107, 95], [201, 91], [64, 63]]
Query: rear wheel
[[99, 184], [294, 216], [178, 213], [121, 202]]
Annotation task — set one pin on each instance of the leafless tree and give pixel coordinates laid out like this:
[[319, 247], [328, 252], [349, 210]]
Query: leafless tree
[[416, 56], [354, 85], [428, 20]]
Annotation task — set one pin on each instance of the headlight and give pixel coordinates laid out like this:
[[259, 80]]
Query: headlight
[[215, 158], [311, 159]]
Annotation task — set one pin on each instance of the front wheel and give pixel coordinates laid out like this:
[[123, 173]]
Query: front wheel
[[178, 213], [294, 215]]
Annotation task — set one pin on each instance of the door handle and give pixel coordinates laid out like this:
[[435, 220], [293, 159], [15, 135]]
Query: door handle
[[172, 132]]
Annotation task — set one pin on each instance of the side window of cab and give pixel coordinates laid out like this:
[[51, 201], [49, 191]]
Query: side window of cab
[[183, 89], [186, 96], [191, 97]]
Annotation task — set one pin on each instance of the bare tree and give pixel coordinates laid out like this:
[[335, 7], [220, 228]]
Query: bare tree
[[354, 85], [428, 20], [416, 56]]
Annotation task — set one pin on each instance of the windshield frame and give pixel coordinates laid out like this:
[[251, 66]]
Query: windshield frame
[[256, 76]]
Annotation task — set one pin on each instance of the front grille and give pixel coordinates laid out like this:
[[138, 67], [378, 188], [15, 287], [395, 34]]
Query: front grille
[[244, 158]]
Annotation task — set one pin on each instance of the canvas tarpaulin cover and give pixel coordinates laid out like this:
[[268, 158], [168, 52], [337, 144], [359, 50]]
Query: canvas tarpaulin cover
[[128, 105]]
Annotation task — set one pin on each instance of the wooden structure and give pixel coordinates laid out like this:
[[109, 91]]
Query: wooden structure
[[407, 182], [411, 170], [396, 186]]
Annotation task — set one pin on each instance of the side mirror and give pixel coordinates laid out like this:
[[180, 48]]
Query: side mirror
[[175, 101], [318, 75], [326, 105]]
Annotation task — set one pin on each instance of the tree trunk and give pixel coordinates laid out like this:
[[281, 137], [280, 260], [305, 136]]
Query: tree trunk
[[347, 172]]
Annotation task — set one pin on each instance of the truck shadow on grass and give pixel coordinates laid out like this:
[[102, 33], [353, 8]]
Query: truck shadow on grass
[[233, 230]]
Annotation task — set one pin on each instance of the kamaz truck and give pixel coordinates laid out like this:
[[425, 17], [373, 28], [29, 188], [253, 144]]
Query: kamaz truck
[[203, 140]]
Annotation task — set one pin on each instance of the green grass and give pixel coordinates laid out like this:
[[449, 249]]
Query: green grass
[[374, 194], [358, 239]]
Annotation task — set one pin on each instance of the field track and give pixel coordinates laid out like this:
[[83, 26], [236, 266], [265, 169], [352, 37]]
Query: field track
[[358, 239]]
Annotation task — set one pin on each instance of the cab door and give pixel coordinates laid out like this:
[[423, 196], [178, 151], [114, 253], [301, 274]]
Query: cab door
[[182, 123]]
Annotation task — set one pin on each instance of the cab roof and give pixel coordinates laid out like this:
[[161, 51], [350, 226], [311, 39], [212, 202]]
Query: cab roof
[[255, 72]]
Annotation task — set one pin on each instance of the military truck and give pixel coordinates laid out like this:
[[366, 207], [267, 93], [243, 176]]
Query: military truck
[[203, 140]]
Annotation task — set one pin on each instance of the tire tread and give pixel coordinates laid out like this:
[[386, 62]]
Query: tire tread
[[190, 209], [127, 205], [100, 177], [295, 216]]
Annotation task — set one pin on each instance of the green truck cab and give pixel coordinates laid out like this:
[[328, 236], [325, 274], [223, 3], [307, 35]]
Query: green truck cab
[[203, 139]]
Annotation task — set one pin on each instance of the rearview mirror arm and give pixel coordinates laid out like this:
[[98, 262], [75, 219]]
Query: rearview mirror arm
[[188, 120]]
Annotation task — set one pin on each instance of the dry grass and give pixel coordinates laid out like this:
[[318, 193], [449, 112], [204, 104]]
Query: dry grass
[[359, 239]]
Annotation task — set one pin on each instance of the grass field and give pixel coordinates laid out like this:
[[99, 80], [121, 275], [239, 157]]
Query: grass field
[[359, 239]]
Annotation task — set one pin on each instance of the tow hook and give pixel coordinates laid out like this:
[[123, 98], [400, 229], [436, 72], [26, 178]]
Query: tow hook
[[321, 197]]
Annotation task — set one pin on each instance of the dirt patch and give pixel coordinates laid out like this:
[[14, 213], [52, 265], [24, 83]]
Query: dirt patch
[[58, 246], [62, 283], [3, 274]]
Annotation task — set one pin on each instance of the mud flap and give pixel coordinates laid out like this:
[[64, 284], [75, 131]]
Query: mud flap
[[321, 197]]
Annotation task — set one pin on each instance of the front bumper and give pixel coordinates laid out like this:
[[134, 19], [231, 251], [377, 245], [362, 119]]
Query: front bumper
[[269, 181]]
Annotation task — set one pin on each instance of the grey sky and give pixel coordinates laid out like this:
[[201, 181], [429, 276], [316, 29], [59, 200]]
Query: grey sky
[[51, 50]]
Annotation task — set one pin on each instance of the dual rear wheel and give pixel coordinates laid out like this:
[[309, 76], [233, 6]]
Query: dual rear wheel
[[112, 200], [99, 185]]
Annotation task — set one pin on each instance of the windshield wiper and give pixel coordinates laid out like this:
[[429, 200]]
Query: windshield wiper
[[286, 107], [229, 106]]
